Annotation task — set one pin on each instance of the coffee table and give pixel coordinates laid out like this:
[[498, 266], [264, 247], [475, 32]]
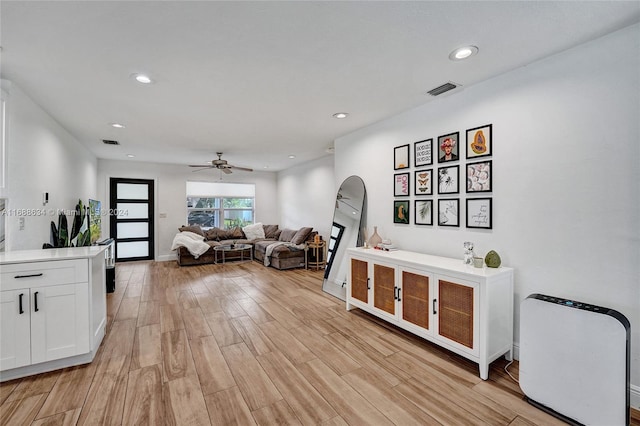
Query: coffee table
[[239, 251]]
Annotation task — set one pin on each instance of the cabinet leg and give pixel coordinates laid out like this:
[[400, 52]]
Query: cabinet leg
[[349, 306], [484, 371], [509, 355]]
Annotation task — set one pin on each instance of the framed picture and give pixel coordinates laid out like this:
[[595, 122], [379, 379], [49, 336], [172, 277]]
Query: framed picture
[[479, 142], [479, 212], [401, 157], [448, 212], [422, 153], [401, 184], [479, 177], [423, 180], [401, 211], [424, 212], [448, 180], [448, 147]]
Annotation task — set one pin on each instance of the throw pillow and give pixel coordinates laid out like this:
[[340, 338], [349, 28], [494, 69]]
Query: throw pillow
[[236, 233], [213, 234], [254, 232], [301, 236], [193, 228], [287, 234], [271, 231]]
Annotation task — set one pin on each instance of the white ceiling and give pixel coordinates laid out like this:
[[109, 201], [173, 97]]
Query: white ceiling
[[261, 80]]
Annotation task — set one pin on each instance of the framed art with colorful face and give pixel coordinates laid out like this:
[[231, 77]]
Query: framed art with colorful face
[[423, 182], [401, 157], [423, 212], [479, 143], [448, 149]]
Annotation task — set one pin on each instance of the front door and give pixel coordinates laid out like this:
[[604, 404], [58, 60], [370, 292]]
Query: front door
[[132, 218]]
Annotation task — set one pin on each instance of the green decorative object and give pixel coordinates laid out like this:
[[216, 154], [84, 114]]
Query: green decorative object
[[492, 259]]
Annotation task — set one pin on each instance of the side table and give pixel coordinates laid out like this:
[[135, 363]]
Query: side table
[[318, 256]]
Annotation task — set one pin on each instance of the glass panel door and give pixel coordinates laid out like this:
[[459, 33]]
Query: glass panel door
[[132, 222]]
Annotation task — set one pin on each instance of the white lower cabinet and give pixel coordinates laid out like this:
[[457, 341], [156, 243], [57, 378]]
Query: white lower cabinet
[[45, 312], [466, 310]]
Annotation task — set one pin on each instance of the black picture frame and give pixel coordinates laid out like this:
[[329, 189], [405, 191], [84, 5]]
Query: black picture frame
[[479, 213], [453, 139], [449, 212], [423, 212], [423, 153], [449, 180], [479, 142], [423, 182], [479, 177], [401, 212], [401, 185], [401, 157]]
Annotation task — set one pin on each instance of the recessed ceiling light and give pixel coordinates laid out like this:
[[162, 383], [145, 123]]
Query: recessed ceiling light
[[463, 53], [265, 167], [117, 125], [292, 156], [142, 78], [340, 115], [130, 155]]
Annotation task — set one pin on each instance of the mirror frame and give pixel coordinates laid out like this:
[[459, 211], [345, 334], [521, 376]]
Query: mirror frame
[[336, 265]]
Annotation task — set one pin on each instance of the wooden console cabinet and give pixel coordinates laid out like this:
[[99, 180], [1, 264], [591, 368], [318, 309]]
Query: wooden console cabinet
[[461, 308], [52, 309]]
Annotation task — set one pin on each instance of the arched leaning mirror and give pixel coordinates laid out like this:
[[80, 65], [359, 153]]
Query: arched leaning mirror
[[349, 223]]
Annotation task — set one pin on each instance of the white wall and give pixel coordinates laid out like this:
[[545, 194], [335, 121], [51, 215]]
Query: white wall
[[170, 195], [307, 196], [566, 175], [41, 156]]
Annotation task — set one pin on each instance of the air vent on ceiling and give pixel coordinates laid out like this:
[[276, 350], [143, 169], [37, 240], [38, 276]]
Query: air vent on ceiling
[[108, 142], [442, 89]]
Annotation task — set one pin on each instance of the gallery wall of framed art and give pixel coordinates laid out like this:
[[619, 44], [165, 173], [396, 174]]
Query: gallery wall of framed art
[[452, 180]]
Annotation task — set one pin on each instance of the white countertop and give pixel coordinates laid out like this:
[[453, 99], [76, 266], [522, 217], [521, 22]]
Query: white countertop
[[43, 255], [417, 259]]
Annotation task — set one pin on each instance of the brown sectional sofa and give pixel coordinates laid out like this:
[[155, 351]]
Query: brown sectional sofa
[[282, 256]]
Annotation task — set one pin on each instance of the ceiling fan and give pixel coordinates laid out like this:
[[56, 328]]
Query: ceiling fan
[[220, 164]]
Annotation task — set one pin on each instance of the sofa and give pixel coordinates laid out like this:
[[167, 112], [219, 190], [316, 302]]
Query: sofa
[[290, 252]]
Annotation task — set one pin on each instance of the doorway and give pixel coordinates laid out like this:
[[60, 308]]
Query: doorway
[[131, 218]]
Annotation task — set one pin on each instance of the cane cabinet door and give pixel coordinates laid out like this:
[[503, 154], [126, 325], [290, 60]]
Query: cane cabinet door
[[415, 298], [384, 288], [457, 312], [360, 280]]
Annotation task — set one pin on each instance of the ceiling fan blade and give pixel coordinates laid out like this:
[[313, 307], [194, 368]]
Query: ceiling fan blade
[[226, 170], [201, 169], [200, 165], [246, 169]]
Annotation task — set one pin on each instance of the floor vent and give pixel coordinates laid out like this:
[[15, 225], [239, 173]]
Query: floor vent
[[442, 89], [108, 142]]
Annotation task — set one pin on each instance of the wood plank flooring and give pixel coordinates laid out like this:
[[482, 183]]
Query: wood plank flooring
[[241, 344]]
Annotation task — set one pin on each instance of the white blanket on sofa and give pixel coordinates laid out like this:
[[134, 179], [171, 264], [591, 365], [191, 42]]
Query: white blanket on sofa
[[270, 247], [192, 241]]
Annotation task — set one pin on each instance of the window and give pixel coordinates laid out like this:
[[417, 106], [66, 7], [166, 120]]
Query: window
[[220, 205]]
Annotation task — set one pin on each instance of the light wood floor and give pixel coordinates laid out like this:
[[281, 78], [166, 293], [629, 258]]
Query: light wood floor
[[242, 344]]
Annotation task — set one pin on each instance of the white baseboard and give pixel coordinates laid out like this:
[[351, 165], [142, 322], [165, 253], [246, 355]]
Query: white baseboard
[[635, 397], [166, 258], [635, 390]]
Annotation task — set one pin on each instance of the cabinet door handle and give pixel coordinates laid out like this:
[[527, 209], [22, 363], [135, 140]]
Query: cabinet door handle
[[399, 294], [28, 276], [35, 301], [21, 311], [368, 286], [434, 307]]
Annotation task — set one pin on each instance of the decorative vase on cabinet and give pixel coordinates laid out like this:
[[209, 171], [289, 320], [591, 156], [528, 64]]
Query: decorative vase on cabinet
[[375, 238]]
